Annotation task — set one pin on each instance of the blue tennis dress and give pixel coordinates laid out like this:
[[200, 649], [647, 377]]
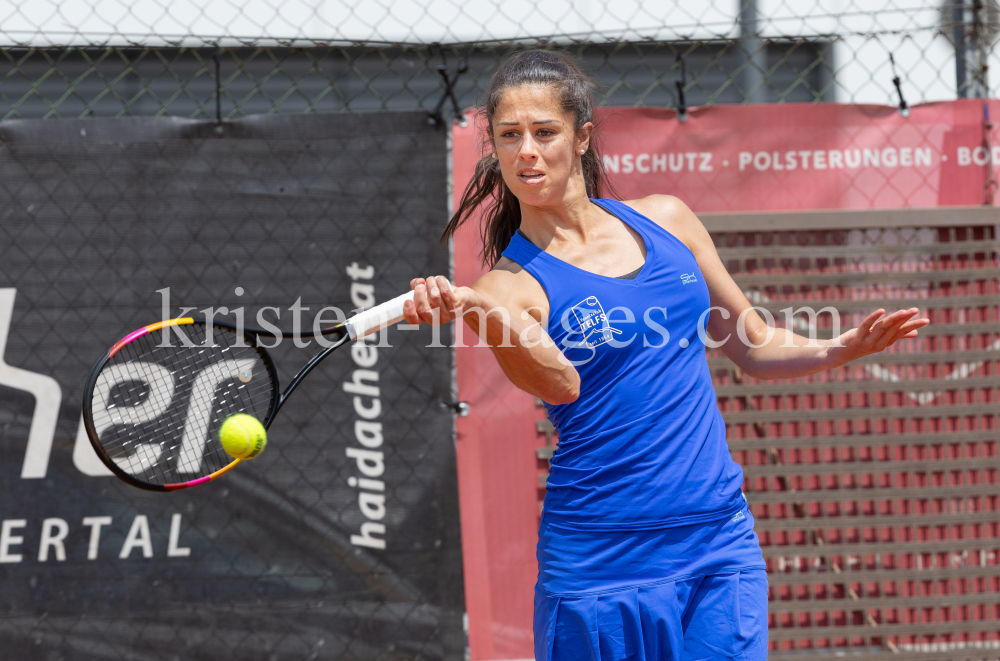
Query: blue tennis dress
[[646, 548]]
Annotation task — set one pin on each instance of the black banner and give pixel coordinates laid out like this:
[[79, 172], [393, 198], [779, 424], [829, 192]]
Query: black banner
[[341, 540]]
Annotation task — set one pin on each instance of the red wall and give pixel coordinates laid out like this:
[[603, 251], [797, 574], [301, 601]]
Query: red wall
[[498, 468]]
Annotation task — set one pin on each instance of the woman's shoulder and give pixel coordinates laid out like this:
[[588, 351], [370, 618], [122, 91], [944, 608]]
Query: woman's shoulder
[[674, 216], [657, 204], [509, 284]]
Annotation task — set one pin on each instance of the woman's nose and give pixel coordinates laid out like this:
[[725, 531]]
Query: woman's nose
[[528, 149]]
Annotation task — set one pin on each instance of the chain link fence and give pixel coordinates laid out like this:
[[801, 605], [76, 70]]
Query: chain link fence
[[335, 543], [219, 60], [225, 62], [874, 485]]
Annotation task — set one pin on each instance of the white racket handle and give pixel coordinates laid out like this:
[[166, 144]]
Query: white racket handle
[[379, 317]]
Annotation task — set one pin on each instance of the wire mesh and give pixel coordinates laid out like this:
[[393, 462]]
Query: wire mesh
[[324, 546], [78, 59], [873, 485], [222, 61]]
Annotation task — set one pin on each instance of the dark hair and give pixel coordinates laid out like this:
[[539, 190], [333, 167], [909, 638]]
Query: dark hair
[[502, 216]]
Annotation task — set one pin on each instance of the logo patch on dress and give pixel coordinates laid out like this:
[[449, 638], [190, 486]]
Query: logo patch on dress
[[593, 322], [688, 278], [739, 516]]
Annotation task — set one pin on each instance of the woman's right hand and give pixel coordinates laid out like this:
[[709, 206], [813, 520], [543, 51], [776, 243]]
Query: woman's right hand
[[436, 301]]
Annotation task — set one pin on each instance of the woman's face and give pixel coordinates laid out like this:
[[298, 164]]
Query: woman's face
[[537, 145]]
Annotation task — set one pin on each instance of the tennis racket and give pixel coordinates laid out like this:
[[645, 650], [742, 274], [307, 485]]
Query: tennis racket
[[152, 407]]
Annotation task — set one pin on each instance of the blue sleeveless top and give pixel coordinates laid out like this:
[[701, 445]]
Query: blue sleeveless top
[[644, 445]]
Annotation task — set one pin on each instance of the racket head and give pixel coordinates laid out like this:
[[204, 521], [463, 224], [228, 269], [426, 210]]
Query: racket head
[[152, 409]]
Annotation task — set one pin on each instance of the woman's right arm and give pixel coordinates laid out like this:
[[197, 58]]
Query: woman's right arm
[[503, 309]]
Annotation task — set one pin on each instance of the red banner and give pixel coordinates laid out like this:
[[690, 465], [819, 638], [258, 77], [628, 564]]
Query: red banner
[[723, 158], [803, 156]]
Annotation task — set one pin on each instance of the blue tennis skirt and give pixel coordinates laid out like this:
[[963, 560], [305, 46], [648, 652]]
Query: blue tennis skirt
[[687, 592]]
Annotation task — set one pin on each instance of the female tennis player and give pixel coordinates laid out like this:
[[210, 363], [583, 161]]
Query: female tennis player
[[646, 548]]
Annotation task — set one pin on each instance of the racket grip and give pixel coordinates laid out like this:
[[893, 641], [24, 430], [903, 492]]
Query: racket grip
[[379, 317]]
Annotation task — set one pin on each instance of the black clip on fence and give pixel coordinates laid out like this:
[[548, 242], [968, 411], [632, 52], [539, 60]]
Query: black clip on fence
[[436, 117], [682, 111], [904, 109], [461, 409]]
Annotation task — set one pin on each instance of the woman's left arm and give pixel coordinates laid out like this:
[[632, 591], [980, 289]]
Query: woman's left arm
[[785, 355]]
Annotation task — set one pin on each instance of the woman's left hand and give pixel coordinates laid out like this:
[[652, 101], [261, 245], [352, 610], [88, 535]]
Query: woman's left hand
[[876, 333]]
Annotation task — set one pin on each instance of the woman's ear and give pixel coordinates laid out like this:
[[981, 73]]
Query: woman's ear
[[583, 137], [489, 143]]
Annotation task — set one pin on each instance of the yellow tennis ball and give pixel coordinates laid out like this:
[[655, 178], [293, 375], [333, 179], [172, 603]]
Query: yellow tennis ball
[[242, 436]]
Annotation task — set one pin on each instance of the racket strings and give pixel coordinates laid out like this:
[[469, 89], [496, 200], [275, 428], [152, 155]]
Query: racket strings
[[191, 390], [125, 446], [132, 447], [204, 406]]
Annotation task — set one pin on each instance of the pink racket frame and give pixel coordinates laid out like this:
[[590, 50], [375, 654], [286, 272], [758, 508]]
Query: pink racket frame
[[152, 328]]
